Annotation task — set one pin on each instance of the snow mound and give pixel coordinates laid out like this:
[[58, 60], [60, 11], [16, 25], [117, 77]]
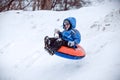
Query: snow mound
[[111, 22]]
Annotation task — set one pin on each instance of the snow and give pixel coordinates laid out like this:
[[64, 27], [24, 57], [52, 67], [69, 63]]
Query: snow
[[22, 54]]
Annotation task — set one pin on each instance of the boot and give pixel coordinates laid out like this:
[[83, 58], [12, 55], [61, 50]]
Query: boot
[[51, 52]]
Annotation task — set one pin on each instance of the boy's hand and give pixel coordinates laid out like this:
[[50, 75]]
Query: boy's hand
[[71, 43], [56, 31]]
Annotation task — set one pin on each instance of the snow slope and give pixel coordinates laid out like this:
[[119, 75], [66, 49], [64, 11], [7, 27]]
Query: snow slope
[[22, 54]]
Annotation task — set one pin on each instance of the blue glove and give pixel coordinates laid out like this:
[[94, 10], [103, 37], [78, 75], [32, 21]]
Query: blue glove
[[71, 43]]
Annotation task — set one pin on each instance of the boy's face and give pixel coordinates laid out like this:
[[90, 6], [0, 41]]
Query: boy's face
[[67, 26]]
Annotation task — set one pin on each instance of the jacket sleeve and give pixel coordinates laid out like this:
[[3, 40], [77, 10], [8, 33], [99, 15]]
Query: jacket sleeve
[[76, 36]]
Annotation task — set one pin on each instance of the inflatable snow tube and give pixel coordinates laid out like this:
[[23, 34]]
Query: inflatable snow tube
[[71, 53]]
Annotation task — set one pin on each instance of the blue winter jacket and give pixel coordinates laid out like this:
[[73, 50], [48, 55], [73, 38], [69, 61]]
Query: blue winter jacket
[[72, 34]]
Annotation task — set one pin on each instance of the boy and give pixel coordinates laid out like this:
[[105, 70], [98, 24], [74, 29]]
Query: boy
[[69, 37]]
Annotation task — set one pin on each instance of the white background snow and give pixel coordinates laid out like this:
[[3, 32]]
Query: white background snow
[[22, 54]]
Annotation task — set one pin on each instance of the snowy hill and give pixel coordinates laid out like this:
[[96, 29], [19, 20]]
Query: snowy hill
[[22, 54]]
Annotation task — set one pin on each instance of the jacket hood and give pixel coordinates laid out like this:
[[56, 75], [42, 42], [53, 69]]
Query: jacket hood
[[72, 21]]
